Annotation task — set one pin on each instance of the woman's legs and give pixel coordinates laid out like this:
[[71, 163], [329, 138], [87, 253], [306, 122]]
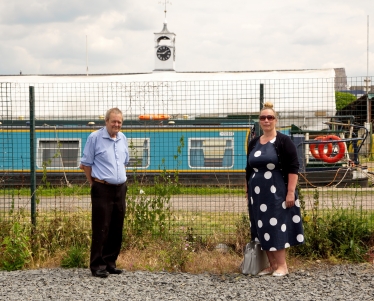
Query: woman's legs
[[273, 264], [272, 260], [277, 260]]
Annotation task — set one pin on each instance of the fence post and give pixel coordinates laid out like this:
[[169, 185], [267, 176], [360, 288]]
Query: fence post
[[259, 130], [261, 96], [32, 155]]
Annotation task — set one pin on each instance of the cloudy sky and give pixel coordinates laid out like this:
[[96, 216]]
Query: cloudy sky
[[49, 36]]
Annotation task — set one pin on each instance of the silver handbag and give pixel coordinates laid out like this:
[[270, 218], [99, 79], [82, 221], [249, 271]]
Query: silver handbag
[[255, 259]]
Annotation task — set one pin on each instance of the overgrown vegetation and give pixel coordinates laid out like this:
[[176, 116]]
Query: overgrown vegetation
[[156, 237], [83, 190], [64, 240], [343, 233], [16, 251], [76, 257]]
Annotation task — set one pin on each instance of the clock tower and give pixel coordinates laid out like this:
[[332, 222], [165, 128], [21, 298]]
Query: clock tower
[[165, 50]]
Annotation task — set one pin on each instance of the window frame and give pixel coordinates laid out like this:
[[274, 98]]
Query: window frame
[[39, 152], [148, 148], [190, 147]]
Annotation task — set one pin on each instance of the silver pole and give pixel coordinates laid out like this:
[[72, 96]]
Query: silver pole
[[367, 80], [86, 58]]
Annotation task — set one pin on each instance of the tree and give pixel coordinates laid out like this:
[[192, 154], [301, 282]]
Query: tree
[[342, 99]]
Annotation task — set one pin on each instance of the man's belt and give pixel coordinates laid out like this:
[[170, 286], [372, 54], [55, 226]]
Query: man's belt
[[105, 182]]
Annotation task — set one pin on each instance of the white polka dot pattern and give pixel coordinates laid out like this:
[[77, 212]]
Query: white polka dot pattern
[[296, 219], [273, 221], [272, 249], [273, 189], [268, 175], [284, 205], [297, 203], [284, 228], [287, 245], [270, 166], [267, 236], [300, 238], [257, 190], [257, 154], [263, 207], [259, 223]]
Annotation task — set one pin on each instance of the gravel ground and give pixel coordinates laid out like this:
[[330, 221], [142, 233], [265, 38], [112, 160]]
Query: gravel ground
[[341, 282]]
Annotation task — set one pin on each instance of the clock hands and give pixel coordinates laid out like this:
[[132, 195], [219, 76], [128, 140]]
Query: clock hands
[[163, 52]]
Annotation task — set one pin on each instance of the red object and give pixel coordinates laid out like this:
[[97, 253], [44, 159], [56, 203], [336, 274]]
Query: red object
[[315, 153], [335, 158]]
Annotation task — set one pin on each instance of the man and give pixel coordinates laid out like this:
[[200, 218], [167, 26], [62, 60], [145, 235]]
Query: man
[[104, 159]]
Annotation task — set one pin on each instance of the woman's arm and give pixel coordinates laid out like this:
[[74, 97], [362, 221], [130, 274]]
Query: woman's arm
[[292, 182]]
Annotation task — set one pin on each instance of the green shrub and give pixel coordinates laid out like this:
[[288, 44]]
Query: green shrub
[[76, 257], [342, 99], [340, 232], [15, 248], [176, 256]]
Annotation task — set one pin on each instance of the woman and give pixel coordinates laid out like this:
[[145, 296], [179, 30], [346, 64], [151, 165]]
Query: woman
[[271, 174]]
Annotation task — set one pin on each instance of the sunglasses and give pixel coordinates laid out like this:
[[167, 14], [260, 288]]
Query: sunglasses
[[268, 117]]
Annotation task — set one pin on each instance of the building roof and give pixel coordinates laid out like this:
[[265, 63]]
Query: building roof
[[175, 76], [165, 29], [358, 109], [293, 92]]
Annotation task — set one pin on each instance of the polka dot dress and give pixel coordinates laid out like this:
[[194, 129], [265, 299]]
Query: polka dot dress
[[275, 226]]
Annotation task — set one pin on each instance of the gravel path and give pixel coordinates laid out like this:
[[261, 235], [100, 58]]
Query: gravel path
[[343, 282]]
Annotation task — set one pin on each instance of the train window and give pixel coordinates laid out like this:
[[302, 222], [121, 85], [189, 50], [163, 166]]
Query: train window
[[211, 153], [58, 153], [139, 152]]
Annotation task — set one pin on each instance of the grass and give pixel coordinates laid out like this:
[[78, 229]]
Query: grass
[[81, 190], [84, 190], [204, 223], [334, 233]]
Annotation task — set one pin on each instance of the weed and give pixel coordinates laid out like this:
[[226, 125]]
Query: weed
[[242, 233], [76, 257], [176, 256], [16, 253], [150, 214], [339, 232]]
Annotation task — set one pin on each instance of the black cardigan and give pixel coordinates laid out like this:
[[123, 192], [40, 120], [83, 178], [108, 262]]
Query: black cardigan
[[287, 156]]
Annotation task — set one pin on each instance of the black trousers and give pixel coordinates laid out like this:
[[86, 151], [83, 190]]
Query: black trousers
[[108, 213]]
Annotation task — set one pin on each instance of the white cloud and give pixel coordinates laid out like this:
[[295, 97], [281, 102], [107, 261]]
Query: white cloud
[[49, 36]]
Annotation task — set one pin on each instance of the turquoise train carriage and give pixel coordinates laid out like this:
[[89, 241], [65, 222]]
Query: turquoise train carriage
[[202, 151], [198, 150]]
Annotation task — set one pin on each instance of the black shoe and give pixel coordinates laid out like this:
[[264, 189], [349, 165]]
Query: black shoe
[[100, 273], [114, 271]]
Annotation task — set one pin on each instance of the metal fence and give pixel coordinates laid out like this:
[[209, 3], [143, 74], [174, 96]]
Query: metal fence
[[192, 134]]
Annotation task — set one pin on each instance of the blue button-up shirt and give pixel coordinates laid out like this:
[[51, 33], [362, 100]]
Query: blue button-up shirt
[[107, 156]]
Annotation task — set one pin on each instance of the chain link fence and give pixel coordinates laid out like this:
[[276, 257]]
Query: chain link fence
[[189, 138]]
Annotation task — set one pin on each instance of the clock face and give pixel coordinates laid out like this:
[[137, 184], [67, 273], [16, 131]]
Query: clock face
[[163, 53]]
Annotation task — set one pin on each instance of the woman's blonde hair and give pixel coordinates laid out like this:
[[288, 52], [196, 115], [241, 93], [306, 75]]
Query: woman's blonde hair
[[269, 106]]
